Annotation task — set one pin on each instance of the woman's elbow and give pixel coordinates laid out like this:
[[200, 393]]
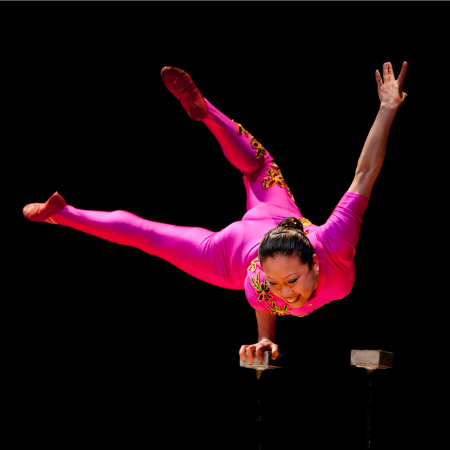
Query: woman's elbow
[[363, 183]]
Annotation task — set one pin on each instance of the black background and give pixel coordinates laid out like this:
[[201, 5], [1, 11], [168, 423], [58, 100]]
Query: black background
[[112, 347]]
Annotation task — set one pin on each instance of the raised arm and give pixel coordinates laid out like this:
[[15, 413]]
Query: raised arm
[[391, 95]]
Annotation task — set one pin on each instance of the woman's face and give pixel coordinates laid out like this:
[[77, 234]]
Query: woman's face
[[290, 279]]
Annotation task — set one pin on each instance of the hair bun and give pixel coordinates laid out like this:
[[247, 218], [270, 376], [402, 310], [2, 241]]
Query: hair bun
[[291, 222]]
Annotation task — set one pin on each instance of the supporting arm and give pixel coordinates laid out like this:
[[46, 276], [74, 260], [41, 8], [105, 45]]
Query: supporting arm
[[266, 338], [266, 325]]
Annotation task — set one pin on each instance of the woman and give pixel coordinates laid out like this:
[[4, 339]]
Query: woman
[[285, 264]]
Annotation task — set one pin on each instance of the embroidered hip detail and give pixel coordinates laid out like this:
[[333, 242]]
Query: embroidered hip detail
[[306, 223], [275, 177]]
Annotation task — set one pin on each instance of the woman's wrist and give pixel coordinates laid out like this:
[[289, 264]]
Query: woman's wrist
[[389, 107], [265, 337]]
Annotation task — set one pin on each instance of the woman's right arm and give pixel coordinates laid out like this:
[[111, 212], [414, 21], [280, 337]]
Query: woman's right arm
[[266, 338], [391, 95]]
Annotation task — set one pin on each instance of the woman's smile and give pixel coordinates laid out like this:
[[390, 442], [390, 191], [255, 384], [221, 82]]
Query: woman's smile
[[292, 300], [291, 279]]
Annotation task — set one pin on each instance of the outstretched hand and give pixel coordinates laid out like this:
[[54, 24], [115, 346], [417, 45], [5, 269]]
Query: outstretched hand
[[390, 90]]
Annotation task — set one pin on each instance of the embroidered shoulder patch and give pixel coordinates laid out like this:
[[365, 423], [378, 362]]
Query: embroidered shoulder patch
[[253, 265]]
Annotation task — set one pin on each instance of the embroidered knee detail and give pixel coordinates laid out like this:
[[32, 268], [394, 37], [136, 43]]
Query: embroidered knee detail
[[274, 174], [275, 177], [260, 150], [241, 129]]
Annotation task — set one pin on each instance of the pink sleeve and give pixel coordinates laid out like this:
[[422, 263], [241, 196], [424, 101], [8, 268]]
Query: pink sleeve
[[340, 233]]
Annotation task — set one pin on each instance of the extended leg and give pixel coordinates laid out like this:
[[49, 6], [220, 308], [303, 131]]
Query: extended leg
[[191, 249], [240, 148], [263, 180], [196, 251]]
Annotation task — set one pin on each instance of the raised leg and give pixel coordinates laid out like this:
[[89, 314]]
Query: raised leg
[[240, 148], [262, 177], [263, 180]]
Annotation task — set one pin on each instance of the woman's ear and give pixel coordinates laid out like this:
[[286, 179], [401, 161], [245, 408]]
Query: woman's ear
[[315, 260]]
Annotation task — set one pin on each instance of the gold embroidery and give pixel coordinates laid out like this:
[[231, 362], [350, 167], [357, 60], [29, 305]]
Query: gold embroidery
[[262, 290], [281, 311], [253, 265], [241, 129], [290, 193], [305, 222], [275, 177], [50, 220], [264, 294], [260, 150]]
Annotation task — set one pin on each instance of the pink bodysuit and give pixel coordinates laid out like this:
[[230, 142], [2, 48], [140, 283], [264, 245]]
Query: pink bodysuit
[[227, 258]]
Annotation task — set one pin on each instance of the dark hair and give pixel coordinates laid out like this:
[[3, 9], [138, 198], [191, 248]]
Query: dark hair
[[287, 239]]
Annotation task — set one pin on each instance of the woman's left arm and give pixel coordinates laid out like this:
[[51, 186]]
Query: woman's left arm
[[391, 95]]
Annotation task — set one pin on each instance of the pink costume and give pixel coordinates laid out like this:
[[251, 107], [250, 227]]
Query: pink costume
[[227, 258]]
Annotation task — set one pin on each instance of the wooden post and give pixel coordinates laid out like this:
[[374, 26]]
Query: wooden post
[[371, 360], [260, 367]]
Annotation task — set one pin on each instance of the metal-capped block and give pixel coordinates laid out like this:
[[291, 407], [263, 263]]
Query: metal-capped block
[[372, 359], [266, 363]]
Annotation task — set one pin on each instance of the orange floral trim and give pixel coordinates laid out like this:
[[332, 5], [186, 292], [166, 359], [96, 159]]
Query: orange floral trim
[[275, 177]]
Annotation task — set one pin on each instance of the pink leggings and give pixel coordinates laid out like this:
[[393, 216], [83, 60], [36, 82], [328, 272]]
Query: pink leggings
[[220, 258]]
